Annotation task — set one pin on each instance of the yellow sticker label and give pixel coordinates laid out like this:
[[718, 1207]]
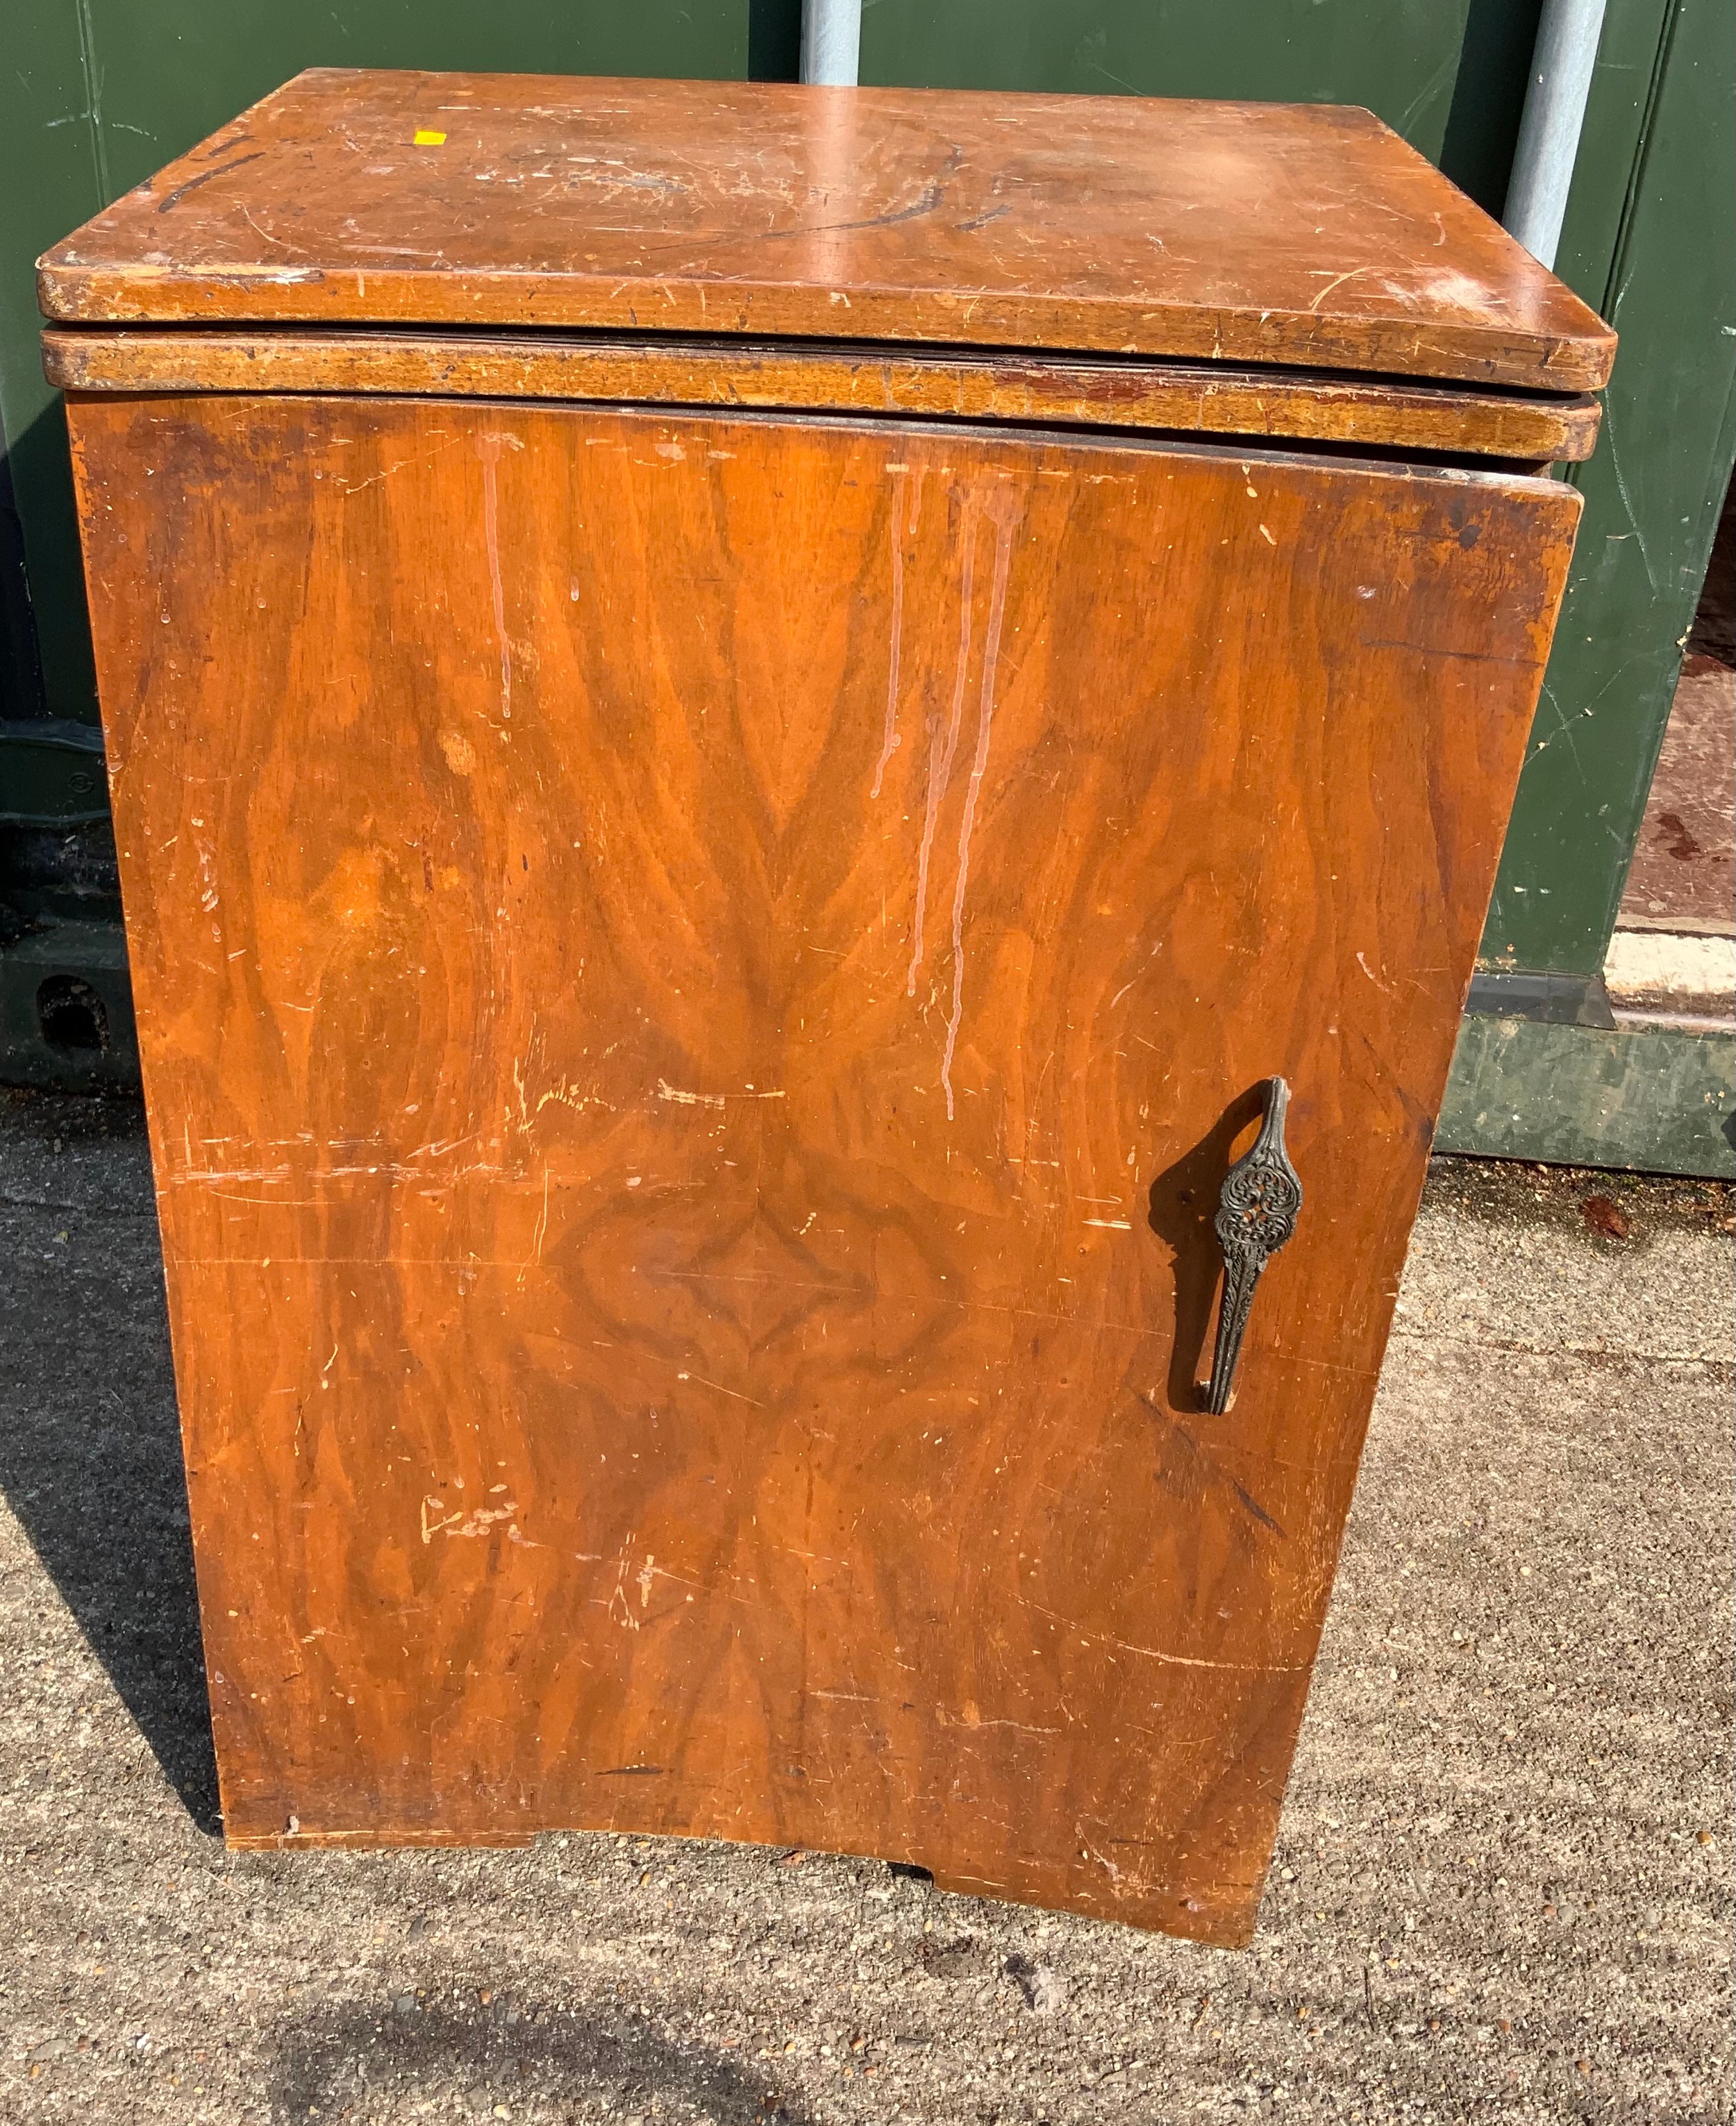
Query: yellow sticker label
[[430, 139]]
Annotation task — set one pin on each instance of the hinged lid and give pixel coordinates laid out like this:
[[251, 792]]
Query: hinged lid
[[1298, 234]]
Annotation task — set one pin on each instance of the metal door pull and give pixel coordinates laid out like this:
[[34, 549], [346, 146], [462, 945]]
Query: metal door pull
[[1256, 1214]]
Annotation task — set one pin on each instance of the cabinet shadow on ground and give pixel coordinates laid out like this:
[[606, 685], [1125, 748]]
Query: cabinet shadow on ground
[[480, 2060], [90, 1445]]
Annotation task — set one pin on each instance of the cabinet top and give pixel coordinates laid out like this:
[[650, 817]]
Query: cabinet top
[[1300, 234]]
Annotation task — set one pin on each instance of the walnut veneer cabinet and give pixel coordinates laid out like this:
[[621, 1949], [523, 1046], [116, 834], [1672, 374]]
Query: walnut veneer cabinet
[[798, 771]]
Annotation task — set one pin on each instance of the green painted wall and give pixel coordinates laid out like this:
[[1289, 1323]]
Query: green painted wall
[[48, 184]]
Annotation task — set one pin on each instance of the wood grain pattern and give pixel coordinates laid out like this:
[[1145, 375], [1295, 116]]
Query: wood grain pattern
[[1251, 233], [1183, 399], [697, 979]]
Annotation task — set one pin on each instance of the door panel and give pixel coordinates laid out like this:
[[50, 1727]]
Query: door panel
[[698, 979]]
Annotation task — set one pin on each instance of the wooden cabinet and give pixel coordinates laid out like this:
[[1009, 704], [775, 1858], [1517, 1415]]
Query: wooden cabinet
[[713, 906]]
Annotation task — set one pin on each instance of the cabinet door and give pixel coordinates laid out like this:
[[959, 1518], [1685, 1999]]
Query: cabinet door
[[699, 979]]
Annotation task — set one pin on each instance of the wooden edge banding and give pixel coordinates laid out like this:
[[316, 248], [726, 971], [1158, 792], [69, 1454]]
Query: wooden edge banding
[[112, 296], [1186, 399], [364, 1840]]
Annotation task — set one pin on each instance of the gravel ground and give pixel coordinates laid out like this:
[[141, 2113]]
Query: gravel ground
[[1502, 1891]]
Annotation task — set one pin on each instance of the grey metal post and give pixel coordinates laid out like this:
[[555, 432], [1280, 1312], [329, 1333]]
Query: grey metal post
[[1549, 133], [831, 42]]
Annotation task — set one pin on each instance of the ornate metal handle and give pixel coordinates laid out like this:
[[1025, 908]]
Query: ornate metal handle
[[1256, 1214]]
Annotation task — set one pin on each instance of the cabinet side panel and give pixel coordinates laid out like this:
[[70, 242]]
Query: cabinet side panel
[[698, 979]]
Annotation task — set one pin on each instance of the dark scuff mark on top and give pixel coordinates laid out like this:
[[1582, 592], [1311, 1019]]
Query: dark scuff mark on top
[[204, 176]]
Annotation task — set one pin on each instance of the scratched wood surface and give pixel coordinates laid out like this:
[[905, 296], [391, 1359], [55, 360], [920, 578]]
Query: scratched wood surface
[[1191, 398], [697, 979], [1247, 233]]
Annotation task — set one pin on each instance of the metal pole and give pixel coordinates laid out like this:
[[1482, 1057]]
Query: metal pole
[[1549, 133], [831, 42]]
